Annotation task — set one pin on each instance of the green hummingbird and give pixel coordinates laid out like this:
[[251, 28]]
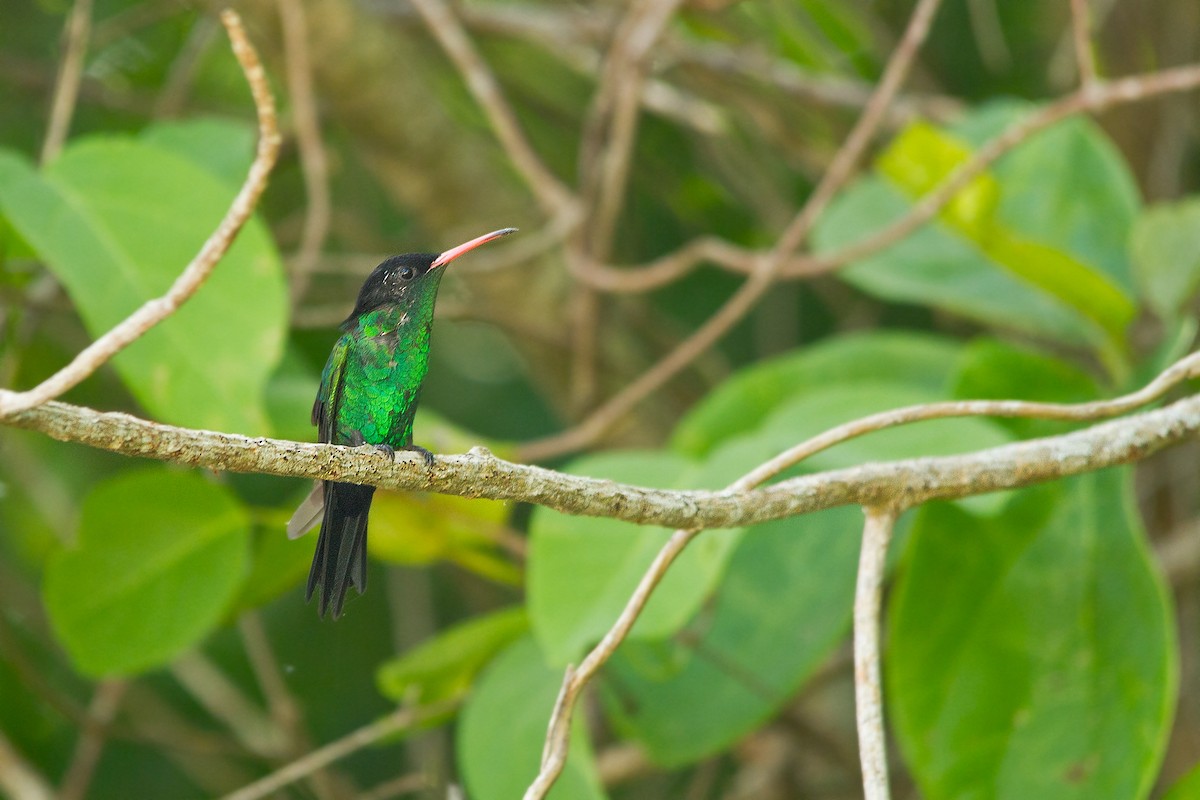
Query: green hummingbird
[[368, 395]]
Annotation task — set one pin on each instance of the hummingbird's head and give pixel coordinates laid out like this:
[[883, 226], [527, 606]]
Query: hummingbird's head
[[413, 277]]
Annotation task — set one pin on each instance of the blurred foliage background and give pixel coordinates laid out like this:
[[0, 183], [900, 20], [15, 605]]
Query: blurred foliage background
[[153, 636]]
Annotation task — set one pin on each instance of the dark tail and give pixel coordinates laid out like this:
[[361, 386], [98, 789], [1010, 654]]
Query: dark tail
[[341, 557]]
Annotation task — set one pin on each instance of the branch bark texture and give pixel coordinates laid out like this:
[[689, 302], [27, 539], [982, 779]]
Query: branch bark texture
[[480, 474]]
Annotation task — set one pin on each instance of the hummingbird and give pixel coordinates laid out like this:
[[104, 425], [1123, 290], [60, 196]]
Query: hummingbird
[[368, 396]]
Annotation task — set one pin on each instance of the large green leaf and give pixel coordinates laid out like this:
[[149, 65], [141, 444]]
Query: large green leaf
[[1036, 244], [582, 570], [503, 727], [783, 605], [1165, 247], [160, 556], [1031, 655], [117, 220], [693, 694], [224, 147], [741, 403]]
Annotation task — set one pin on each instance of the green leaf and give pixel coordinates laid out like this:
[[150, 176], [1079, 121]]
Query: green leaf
[[1032, 655], [922, 157], [581, 570], [446, 665], [772, 622], [741, 403], [503, 726], [1165, 247], [160, 556], [117, 220], [224, 147], [1022, 246]]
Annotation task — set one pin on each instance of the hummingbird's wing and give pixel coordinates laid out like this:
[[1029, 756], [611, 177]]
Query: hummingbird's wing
[[329, 396], [324, 412]]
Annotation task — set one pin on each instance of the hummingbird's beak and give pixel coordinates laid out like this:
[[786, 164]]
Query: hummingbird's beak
[[466, 247]]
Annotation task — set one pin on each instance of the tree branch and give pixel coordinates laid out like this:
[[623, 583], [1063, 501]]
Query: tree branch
[[480, 474], [193, 276], [868, 691], [402, 719]]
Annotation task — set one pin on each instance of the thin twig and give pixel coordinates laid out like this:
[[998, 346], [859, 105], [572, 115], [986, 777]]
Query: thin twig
[[1085, 56], [552, 195], [155, 311], [624, 401], [286, 713], [18, 779], [767, 267], [605, 154], [1100, 97], [851, 152], [70, 72], [554, 756], [399, 720], [181, 76], [1186, 368], [225, 701], [100, 714], [313, 163], [612, 126], [868, 688]]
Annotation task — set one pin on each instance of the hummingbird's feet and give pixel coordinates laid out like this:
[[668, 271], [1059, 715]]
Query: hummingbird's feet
[[390, 451], [416, 448]]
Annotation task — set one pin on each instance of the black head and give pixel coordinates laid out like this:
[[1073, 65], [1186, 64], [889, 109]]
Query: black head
[[398, 281], [413, 277]]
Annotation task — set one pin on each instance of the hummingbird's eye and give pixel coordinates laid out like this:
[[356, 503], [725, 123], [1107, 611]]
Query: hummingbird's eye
[[407, 274]]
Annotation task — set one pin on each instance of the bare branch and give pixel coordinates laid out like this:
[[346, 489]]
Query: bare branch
[[155, 311], [876, 535], [225, 701], [313, 162], [480, 474], [868, 691], [766, 267], [106, 700], [1099, 98], [851, 151], [624, 401], [553, 196], [70, 72], [1085, 58], [18, 779], [399, 720], [1186, 368]]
